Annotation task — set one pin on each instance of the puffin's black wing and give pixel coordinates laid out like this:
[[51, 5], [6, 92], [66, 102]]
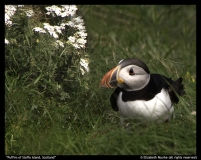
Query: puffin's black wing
[[174, 88], [177, 87], [113, 99]]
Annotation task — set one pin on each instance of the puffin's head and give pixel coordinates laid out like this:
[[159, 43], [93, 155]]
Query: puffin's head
[[129, 74]]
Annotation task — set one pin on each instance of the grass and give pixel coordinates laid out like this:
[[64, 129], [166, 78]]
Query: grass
[[84, 123]]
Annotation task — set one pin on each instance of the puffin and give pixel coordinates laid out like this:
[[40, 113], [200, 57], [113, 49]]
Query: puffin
[[141, 95]]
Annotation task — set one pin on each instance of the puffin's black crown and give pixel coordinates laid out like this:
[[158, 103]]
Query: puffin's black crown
[[137, 62]]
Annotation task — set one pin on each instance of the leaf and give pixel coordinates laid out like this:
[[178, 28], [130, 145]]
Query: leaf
[[36, 81]]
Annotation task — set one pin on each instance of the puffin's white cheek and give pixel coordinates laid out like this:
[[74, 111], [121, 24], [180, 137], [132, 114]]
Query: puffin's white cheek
[[137, 82]]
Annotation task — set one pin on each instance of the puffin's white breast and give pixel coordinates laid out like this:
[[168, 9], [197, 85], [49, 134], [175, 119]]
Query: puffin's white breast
[[159, 106]]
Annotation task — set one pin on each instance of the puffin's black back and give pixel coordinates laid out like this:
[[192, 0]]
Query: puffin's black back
[[155, 85]]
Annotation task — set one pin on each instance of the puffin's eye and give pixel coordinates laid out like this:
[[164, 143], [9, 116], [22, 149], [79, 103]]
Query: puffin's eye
[[131, 71]]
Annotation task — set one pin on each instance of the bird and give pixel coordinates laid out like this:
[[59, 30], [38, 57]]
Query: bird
[[142, 95]]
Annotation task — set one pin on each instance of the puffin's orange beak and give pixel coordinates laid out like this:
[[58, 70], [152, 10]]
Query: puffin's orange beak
[[110, 80]]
